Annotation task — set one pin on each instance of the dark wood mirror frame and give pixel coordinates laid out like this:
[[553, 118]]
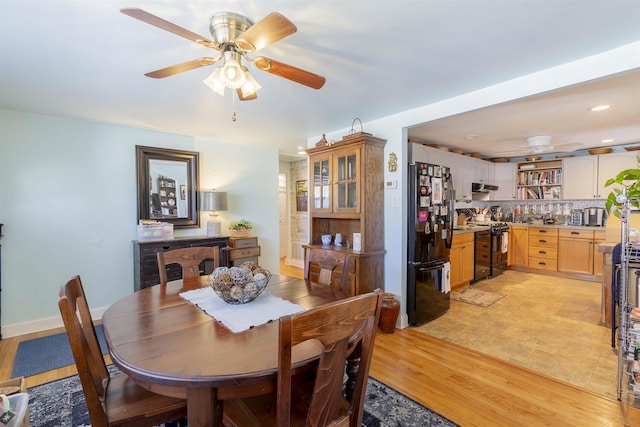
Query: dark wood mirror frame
[[184, 192]]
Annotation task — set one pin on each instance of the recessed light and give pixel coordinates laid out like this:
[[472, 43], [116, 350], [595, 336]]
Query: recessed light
[[471, 137], [600, 108], [606, 141]]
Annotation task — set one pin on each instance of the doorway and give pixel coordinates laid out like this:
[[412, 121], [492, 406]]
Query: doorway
[[282, 221]]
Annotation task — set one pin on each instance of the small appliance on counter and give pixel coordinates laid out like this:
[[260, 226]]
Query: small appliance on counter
[[576, 217], [594, 216]]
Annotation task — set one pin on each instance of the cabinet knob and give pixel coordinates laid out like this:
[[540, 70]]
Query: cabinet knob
[[542, 241], [542, 252]]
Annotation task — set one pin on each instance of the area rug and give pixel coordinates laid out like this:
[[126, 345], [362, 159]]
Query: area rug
[[61, 404], [47, 353], [476, 297]]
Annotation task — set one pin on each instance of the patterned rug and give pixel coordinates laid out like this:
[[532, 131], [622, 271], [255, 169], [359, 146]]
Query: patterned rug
[[476, 297], [61, 404]]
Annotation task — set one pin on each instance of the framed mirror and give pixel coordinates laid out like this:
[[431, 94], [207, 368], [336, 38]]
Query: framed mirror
[[167, 185]]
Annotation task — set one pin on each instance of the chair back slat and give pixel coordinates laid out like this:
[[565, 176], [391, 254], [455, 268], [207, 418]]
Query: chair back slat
[[85, 347], [189, 259], [328, 261], [345, 329]]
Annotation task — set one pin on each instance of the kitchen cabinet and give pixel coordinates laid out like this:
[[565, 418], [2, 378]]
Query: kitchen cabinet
[[145, 261], [575, 251], [540, 180], [504, 177], [543, 248], [585, 176], [518, 246], [462, 259], [347, 197]]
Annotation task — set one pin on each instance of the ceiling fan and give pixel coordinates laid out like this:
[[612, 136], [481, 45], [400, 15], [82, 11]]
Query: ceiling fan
[[235, 37], [540, 144]]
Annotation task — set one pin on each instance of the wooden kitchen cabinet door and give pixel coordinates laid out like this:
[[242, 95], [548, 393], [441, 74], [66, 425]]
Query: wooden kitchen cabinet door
[[455, 259], [519, 246], [468, 257], [575, 255]]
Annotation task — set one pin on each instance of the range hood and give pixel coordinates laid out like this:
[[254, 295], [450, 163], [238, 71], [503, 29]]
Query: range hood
[[478, 187]]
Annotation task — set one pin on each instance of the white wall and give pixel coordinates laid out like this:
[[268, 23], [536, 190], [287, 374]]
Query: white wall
[[68, 205], [394, 130]]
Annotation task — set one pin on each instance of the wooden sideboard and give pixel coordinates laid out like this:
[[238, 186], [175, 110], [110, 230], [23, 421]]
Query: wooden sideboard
[[145, 262]]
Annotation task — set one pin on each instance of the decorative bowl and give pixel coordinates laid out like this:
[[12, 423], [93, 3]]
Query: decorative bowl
[[239, 285], [600, 151]]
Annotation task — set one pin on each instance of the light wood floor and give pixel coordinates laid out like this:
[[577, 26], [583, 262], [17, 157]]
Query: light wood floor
[[464, 385]]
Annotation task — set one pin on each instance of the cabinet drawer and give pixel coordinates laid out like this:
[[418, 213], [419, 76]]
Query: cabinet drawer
[[538, 231], [576, 234], [543, 241], [543, 264], [243, 242], [235, 254], [546, 253]]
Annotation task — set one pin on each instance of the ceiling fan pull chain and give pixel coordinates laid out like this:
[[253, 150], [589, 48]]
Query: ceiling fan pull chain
[[233, 100]]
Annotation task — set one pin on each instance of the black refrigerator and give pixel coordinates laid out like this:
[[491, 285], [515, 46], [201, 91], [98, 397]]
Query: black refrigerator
[[430, 230]]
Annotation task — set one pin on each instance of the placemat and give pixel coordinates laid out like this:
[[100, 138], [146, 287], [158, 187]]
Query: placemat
[[240, 317]]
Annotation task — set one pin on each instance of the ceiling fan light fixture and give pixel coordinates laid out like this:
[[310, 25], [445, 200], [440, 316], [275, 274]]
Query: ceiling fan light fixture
[[539, 141], [232, 73], [214, 82], [250, 85]]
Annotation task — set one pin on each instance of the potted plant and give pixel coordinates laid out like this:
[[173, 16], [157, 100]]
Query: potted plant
[[240, 228], [627, 182]]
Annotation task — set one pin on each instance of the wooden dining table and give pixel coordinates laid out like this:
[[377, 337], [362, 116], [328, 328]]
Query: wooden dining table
[[171, 347]]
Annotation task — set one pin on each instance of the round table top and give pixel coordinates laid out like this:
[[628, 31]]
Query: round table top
[[155, 336]]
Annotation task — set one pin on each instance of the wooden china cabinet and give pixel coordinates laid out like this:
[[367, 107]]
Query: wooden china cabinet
[[346, 196]]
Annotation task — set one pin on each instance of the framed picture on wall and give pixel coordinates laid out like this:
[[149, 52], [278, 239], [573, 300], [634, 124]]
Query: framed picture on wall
[[301, 195]]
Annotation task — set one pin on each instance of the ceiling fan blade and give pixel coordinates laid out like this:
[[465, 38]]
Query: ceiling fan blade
[[289, 72], [168, 26], [268, 30], [180, 68], [251, 97]]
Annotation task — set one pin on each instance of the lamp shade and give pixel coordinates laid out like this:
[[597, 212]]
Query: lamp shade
[[213, 201]]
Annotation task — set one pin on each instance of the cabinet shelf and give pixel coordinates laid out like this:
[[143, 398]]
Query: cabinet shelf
[[541, 180]]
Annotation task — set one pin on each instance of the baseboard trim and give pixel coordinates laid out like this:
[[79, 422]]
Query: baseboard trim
[[40, 325]]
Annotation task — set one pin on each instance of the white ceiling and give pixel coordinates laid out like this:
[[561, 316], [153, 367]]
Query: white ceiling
[[85, 59]]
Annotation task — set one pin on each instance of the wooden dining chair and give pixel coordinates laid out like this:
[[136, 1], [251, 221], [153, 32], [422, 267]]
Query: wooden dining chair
[[318, 400], [111, 400], [327, 261], [189, 259]]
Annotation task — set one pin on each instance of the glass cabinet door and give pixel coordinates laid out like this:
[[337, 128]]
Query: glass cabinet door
[[321, 185], [347, 175]]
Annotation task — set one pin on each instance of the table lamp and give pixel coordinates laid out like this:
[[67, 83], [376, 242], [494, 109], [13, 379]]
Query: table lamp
[[213, 201]]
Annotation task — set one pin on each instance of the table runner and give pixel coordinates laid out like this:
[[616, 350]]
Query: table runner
[[240, 317]]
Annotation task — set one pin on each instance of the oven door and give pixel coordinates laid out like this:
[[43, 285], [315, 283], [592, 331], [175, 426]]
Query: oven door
[[499, 252]]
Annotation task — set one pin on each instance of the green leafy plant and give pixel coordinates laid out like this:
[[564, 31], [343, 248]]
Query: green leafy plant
[[240, 225], [627, 182]]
